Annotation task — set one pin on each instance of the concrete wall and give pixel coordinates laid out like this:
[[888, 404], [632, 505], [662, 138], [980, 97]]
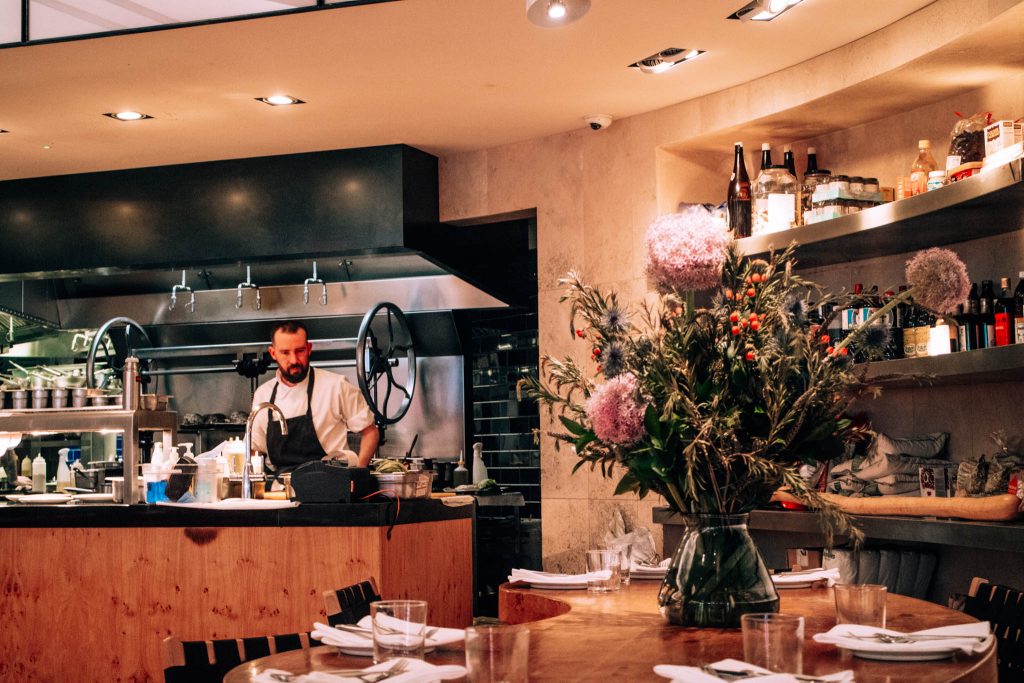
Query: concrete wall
[[864, 105]]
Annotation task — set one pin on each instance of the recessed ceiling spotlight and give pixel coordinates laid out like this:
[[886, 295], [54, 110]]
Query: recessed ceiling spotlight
[[660, 62], [555, 13], [762, 10], [280, 100], [128, 115]]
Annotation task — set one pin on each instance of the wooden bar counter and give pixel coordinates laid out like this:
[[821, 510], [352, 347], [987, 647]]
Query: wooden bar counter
[[576, 636], [88, 593]]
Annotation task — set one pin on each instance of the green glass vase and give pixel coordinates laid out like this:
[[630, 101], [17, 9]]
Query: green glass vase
[[716, 575]]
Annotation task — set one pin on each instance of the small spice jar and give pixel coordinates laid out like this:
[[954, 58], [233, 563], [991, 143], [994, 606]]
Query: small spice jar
[[856, 186], [871, 187], [936, 179], [840, 185]]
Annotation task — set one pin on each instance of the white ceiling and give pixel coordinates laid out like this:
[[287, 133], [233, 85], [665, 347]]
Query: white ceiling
[[441, 75]]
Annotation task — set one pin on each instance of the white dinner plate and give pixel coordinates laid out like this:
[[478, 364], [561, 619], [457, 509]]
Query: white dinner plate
[[366, 650], [908, 656], [95, 497], [43, 499], [799, 584]]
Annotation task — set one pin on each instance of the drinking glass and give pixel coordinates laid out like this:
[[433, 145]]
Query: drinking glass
[[860, 603], [603, 568], [774, 641], [626, 557], [497, 654], [398, 628]]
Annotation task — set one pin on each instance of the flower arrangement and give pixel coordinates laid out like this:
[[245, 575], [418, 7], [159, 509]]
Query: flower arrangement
[[717, 406]]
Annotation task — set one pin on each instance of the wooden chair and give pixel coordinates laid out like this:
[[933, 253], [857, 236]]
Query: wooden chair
[[350, 604], [1004, 608], [207, 661]]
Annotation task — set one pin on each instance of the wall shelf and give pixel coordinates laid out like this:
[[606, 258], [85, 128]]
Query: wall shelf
[[999, 364], [982, 206]]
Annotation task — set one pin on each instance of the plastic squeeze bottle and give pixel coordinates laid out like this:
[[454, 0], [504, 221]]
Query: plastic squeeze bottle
[[39, 474], [479, 468], [26, 467], [63, 471]]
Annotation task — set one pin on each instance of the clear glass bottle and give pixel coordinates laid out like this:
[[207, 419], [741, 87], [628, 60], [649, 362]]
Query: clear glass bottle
[[774, 200], [922, 166], [812, 179]]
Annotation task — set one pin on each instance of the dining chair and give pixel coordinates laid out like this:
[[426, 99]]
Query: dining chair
[[350, 604], [1003, 607], [207, 661]]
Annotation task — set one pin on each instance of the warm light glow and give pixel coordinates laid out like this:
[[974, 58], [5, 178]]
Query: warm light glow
[[938, 340], [128, 115], [280, 99], [693, 53], [762, 16], [556, 10], [776, 6]]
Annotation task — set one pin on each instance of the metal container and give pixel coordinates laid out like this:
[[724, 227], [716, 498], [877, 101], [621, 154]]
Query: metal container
[[406, 484], [40, 398], [79, 397], [59, 398], [154, 401], [19, 399]]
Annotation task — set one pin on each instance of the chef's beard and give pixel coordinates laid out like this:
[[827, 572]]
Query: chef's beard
[[295, 373]]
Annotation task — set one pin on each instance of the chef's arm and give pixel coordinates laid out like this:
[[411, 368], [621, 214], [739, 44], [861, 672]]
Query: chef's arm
[[369, 438]]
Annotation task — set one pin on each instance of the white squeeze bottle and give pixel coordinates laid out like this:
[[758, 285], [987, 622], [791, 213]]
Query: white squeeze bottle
[[63, 471], [158, 456], [479, 468], [39, 474]]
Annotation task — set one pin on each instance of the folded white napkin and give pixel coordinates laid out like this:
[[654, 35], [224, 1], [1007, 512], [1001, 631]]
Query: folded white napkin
[[694, 674], [549, 579], [439, 638], [789, 578], [975, 638], [641, 570], [235, 504], [418, 672]]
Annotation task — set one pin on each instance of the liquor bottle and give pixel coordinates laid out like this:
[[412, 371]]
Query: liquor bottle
[[893, 321], [973, 319], [1004, 314], [909, 330], [812, 161], [1018, 310], [986, 313], [962, 329], [788, 161], [922, 166], [766, 156], [739, 196]]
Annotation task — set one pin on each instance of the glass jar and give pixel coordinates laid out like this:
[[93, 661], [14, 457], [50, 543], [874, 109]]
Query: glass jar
[[936, 179], [871, 187], [839, 185], [811, 181], [856, 186], [774, 200]]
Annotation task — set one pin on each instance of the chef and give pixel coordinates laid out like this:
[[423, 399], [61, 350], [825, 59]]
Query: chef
[[321, 408]]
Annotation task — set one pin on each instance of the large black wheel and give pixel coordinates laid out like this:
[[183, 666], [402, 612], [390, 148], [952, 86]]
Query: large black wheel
[[384, 347]]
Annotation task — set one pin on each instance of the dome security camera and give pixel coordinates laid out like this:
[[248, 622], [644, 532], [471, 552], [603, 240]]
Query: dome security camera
[[598, 121]]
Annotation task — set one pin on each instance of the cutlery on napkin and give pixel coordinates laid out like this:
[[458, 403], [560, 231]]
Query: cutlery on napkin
[[734, 671], [416, 671], [967, 638], [361, 634], [549, 579], [801, 577]]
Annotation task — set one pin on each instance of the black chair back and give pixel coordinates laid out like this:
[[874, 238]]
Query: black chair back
[[1004, 608], [350, 604], [207, 661]]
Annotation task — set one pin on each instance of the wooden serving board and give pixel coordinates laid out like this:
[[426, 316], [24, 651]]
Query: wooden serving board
[[1000, 508]]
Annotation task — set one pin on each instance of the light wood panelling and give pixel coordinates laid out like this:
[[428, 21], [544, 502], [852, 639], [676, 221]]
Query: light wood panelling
[[94, 604]]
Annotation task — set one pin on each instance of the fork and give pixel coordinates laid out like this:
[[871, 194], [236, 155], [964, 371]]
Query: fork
[[399, 667], [750, 673], [913, 637]]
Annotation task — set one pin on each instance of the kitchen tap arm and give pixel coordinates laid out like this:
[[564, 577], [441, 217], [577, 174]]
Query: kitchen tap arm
[[276, 413]]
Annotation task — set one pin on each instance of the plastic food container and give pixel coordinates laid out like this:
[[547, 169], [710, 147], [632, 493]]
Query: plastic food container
[[406, 484]]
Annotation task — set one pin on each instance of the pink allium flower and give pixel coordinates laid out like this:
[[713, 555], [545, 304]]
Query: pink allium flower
[[615, 411], [939, 279], [686, 250]]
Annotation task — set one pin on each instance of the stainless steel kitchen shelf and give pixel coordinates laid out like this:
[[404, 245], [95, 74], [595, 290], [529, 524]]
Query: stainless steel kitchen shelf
[[87, 420], [1000, 364], [988, 204]]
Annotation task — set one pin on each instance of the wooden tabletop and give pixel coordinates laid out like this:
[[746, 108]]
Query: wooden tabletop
[[576, 636]]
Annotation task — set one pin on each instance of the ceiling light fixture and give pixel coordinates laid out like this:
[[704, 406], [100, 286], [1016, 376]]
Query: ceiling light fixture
[[660, 62], [280, 100], [555, 13], [128, 115], [763, 10]]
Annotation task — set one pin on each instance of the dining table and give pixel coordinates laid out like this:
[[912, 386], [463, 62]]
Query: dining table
[[620, 636]]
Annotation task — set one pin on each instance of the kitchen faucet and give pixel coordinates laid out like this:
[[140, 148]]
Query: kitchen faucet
[[314, 281], [191, 305], [248, 284], [246, 463]]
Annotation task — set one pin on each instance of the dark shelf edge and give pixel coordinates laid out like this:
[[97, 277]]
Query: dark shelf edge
[[999, 364]]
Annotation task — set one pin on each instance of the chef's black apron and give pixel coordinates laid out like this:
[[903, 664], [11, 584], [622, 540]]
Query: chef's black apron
[[301, 444]]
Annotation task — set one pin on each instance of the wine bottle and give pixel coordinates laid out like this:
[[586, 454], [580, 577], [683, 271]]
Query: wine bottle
[[739, 196], [986, 313], [894, 349], [766, 156], [812, 161], [1003, 311], [788, 161], [973, 319], [1018, 310]]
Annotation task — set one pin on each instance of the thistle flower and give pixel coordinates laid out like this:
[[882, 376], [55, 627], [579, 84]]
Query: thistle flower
[[939, 279], [686, 250], [795, 308], [615, 411], [876, 338], [614, 319], [614, 359]]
